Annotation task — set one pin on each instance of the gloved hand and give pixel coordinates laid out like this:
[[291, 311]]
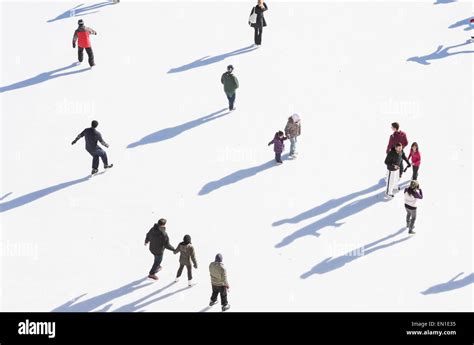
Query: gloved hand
[[74, 44], [73, 142], [106, 145], [196, 266]]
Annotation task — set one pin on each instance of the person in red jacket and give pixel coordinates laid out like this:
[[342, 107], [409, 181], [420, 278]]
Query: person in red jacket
[[81, 35], [398, 136], [415, 160]]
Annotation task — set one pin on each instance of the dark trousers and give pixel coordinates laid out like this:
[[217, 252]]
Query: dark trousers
[[156, 264], [411, 217], [180, 270], [216, 290], [95, 157], [258, 35], [90, 54], [415, 172], [278, 157], [231, 98]]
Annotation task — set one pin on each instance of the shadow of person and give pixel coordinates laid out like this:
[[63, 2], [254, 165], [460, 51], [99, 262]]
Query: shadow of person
[[210, 60], [237, 176], [203, 310], [100, 300], [464, 22], [450, 285], [140, 303], [330, 204], [80, 11], [5, 196], [27, 198], [42, 77], [334, 219], [440, 53], [331, 264], [441, 2], [171, 132]]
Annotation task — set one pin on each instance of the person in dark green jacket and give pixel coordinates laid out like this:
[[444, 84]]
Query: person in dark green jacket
[[231, 83]]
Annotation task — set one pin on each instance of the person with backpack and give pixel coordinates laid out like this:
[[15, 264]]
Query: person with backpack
[[257, 21], [231, 83], [293, 131], [219, 282], [412, 194], [159, 241], [81, 35], [187, 255], [415, 159], [92, 136], [393, 162], [278, 145], [398, 136]]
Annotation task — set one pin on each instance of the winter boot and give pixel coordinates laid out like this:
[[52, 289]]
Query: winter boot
[[225, 307], [212, 303], [108, 166], [190, 283], [176, 280], [411, 232], [94, 171], [153, 276]]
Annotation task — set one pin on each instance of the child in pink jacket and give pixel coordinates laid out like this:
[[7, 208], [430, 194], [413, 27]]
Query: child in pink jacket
[[415, 160]]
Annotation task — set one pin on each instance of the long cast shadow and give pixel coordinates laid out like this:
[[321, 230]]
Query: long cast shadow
[[330, 264], [171, 132], [80, 11], [42, 77], [334, 219], [27, 198], [210, 60], [237, 176], [450, 285], [140, 303], [464, 22], [330, 204], [440, 53], [5, 196], [97, 301], [441, 2]]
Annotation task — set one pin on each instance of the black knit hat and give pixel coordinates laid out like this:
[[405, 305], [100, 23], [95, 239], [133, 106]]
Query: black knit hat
[[219, 258], [80, 22], [230, 68]]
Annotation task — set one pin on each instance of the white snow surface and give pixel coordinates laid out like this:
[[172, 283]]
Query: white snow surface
[[314, 234]]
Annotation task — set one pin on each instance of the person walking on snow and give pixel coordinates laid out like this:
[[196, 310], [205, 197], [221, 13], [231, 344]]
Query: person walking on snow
[[412, 193], [187, 255], [219, 282], [278, 145], [159, 241], [415, 159], [81, 35], [292, 131], [393, 162], [260, 21], [92, 136], [231, 83], [398, 136]]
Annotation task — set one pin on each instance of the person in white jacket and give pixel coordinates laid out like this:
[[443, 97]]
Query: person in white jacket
[[412, 194]]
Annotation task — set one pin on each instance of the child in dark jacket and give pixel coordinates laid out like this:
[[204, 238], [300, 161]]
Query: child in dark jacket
[[187, 255], [278, 145], [415, 160]]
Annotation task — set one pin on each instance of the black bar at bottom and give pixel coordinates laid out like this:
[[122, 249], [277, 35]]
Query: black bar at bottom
[[236, 328]]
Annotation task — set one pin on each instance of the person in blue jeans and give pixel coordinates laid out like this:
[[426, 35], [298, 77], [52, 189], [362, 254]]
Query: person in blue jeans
[[292, 131], [92, 136], [159, 241]]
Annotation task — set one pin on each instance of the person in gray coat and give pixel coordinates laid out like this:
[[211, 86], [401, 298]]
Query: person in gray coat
[[292, 132], [219, 282], [187, 254]]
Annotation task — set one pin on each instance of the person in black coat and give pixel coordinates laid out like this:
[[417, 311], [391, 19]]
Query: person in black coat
[[393, 161], [260, 23], [159, 241], [92, 136]]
